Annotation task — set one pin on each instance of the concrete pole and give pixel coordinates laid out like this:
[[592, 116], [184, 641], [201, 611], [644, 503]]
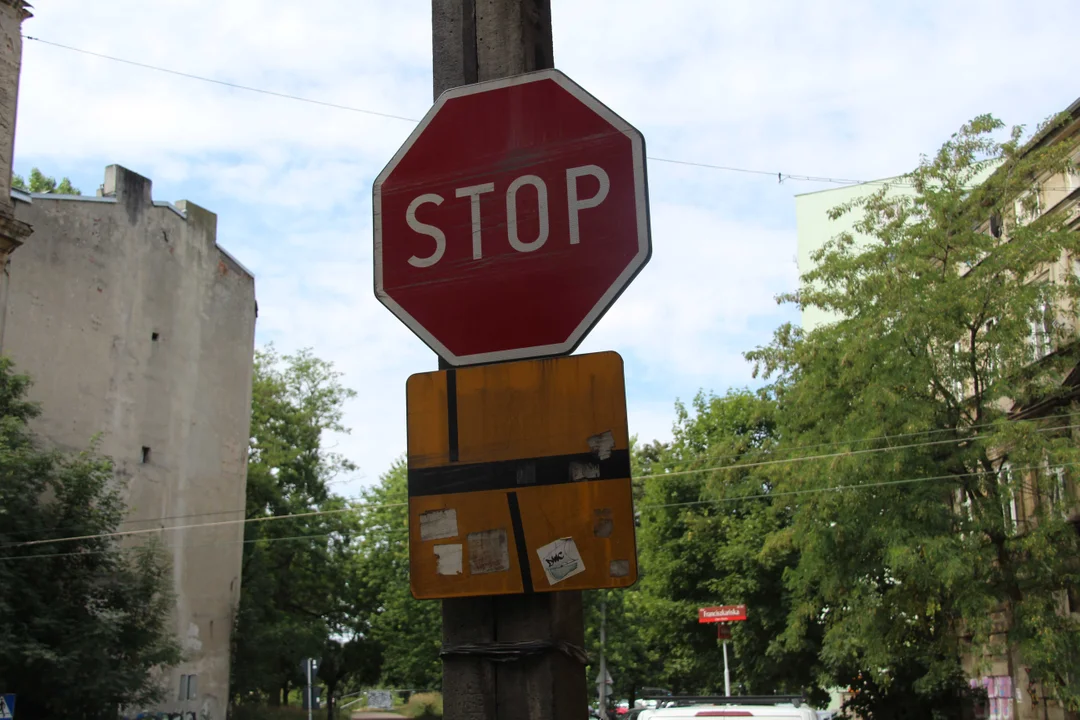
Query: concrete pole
[[475, 40]]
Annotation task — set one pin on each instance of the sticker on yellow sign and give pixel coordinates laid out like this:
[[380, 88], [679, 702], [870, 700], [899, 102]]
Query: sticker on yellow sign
[[519, 478]]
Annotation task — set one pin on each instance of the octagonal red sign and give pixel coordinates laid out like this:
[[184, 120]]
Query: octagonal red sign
[[511, 219]]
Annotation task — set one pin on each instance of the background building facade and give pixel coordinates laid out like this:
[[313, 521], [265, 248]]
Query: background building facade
[[139, 329]]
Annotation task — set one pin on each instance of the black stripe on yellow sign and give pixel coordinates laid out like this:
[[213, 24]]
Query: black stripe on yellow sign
[[519, 542], [514, 474]]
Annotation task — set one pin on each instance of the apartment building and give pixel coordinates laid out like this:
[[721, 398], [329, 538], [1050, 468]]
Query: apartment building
[[1009, 690]]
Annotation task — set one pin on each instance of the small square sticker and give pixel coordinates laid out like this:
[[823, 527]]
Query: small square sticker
[[561, 560]]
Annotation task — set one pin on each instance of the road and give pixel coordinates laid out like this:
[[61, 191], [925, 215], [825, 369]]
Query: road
[[375, 715]]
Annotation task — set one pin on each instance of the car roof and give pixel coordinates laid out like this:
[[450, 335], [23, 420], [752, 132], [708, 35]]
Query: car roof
[[751, 711]]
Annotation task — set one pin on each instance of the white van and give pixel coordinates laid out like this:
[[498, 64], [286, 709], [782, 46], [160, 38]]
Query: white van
[[766, 712]]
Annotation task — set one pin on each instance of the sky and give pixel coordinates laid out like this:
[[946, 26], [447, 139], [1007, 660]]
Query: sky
[[830, 89]]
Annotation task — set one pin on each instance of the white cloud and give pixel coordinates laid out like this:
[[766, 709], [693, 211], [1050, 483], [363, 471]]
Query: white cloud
[[831, 88]]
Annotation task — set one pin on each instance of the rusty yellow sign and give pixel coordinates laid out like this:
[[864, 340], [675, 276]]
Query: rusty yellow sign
[[519, 478]]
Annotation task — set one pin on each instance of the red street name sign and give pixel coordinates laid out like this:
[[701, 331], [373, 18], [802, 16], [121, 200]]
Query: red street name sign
[[511, 219], [722, 613]]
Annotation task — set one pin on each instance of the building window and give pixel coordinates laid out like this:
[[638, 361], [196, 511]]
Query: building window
[[154, 336], [189, 687], [957, 384], [1027, 207], [145, 455], [1040, 336], [1011, 508]]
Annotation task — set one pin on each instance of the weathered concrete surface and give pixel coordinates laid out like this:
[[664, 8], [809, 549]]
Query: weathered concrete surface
[[12, 232], [134, 324], [477, 40], [12, 13]]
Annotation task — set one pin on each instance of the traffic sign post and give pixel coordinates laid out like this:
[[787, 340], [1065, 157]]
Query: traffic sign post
[[723, 615], [519, 478], [505, 227]]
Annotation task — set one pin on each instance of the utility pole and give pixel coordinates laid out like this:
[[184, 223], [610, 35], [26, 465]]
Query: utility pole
[[602, 679], [472, 41], [307, 666], [727, 676]]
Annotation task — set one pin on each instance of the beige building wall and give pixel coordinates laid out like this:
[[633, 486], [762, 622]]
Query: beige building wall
[[137, 326], [12, 232]]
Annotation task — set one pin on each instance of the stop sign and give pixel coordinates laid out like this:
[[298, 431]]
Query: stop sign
[[511, 219]]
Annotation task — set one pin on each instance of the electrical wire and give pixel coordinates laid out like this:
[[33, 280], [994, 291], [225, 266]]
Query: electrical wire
[[847, 453], [837, 488], [702, 468], [651, 506], [220, 523], [351, 508], [781, 176], [225, 83]]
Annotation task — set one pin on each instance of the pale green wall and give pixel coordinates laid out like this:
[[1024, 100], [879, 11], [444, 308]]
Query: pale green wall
[[814, 229]]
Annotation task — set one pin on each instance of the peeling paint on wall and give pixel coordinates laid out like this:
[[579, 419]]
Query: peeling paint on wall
[[193, 642], [488, 552]]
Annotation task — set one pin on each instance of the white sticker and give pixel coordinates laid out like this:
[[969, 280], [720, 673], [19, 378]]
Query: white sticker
[[449, 559], [602, 444], [561, 560], [438, 524]]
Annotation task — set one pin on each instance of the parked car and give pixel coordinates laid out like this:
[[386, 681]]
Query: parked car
[[763, 707]]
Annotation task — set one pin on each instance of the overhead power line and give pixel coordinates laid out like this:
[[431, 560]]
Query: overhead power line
[[700, 468], [225, 83], [351, 508], [780, 176], [650, 506]]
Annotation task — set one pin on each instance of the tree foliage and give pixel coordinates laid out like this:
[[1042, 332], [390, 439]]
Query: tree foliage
[[40, 183], [297, 570], [938, 401], [84, 623], [408, 631]]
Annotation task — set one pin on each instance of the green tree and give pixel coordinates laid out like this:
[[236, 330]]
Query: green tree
[[356, 660], [408, 630], [704, 540], [929, 392], [295, 591], [631, 659], [84, 623], [39, 183]]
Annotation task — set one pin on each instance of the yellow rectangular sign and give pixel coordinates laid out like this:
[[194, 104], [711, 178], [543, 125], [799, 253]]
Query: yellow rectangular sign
[[519, 478]]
